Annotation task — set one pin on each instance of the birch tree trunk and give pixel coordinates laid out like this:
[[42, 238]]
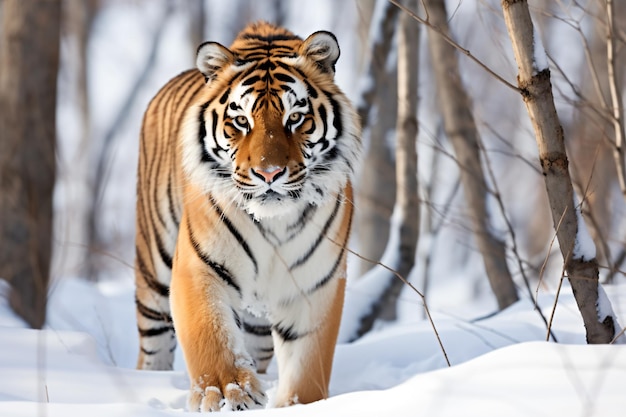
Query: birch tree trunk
[[76, 21], [29, 57], [400, 251], [377, 190], [536, 89], [461, 130]]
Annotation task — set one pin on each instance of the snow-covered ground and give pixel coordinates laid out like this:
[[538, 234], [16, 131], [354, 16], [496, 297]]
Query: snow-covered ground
[[81, 365]]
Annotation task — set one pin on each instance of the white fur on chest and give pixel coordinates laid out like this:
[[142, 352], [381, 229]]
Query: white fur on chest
[[278, 246]]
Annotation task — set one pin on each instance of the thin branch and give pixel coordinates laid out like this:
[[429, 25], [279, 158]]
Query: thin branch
[[619, 260], [556, 301], [587, 50], [449, 40], [511, 230], [581, 97], [406, 282], [556, 230]]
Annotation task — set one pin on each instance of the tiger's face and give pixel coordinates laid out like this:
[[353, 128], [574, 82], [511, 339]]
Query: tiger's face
[[274, 132]]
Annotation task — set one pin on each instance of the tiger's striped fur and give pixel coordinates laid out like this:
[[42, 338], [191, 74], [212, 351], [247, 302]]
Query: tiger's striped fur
[[244, 206]]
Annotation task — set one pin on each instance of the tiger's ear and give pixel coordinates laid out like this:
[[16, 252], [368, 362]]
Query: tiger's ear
[[322, 48], [211, 57]]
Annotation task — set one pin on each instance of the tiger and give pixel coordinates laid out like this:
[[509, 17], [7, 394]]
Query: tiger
[[244, 211]]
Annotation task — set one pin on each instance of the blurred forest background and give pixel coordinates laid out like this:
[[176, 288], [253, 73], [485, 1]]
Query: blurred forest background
[[479, 192]]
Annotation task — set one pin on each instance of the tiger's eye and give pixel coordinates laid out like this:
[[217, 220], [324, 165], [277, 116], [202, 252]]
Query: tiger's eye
[[295, 118], [242, 122]]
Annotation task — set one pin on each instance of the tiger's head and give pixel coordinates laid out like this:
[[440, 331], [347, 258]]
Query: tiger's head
[[272, 132]]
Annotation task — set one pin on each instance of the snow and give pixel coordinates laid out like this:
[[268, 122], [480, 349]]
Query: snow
[[80, 365], [540, 59], [584, 247], [371, 285]]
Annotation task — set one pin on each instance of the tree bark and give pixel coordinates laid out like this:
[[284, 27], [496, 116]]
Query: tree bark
[[29, 56], [78, 156], [377, 189], [616, 96], [536, 90], [197, 21], [462, 132]]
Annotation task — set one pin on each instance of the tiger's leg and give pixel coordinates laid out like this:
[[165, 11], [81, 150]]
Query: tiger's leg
[[152, 275], [204, 309], [258, 340], [305, 356]]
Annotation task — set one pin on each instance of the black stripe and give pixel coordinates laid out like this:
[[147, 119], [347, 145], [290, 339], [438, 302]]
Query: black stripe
[[149, 352], [288, 334], [302, 221], [233, 230], [337, 122], [214, 124], [170, 201], [310, 89], [321, 236], [150, 279], [165, 256], [151, 313], [264, 358], [257, 329], [219, 270], [322, 112], [284, 77], [248, 91], [270, 38], [224, 96], [251, 80], [301, 175], [330, 275], [205, 157], [155, 331]]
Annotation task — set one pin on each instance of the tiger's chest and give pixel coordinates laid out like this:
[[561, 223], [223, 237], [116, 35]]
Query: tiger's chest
[[276, 261]]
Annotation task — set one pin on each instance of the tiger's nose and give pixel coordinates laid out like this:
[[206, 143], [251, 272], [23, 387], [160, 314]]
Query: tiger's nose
[[269, 175]]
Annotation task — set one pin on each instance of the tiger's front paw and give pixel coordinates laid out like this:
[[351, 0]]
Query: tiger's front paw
[[243, 392]]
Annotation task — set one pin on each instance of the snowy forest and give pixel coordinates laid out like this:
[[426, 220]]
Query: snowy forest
[[486, 266]]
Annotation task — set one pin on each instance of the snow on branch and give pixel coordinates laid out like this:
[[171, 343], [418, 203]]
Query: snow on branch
[[584, 247]]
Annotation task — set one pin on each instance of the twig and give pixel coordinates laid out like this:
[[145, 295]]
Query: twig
[[406, 282], [558, 226], [617, 336], [511, 230], [556, 301], [448, 39], [619, 259]]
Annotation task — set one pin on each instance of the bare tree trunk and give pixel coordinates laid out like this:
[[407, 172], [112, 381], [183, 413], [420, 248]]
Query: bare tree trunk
[[197, 21], [77, 16], [407, 208], [29, 57], [616, 96], [461, 130], [589, 141], [536, 89], [376, 191], [100, 178], [406, 211]]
